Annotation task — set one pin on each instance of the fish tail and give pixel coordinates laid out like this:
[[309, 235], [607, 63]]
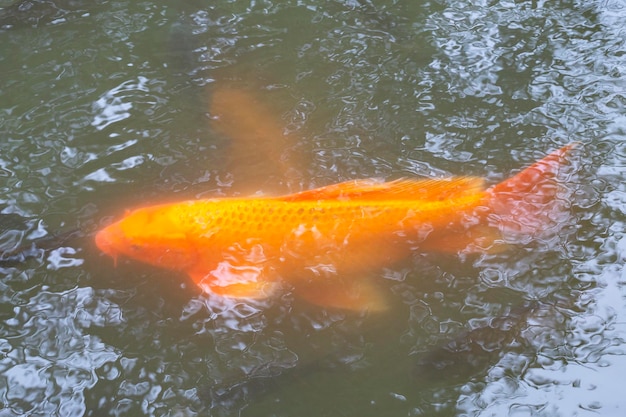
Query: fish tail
[[537, 180], [530, 201]]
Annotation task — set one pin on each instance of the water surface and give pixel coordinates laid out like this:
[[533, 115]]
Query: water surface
[[106, 105]]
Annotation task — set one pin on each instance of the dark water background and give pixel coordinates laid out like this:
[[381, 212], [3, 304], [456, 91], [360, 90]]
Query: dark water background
[[104, 105]]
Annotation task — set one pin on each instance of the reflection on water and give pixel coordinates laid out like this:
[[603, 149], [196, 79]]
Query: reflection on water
[[24, 13], [98, 115], [46, 350]]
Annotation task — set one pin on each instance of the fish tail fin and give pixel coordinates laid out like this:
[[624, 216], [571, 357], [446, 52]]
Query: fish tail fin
[[531, 201], [528, 205]]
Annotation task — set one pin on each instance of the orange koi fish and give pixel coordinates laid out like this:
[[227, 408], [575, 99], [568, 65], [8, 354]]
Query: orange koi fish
[[324, 242]]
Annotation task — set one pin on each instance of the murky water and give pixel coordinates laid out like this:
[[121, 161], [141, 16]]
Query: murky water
[[106, 105]]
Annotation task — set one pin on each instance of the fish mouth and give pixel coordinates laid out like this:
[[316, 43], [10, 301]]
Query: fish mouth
[[106, 243]]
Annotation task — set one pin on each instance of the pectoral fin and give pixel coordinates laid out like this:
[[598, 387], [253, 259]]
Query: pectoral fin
[[234, 281], [260, 146]]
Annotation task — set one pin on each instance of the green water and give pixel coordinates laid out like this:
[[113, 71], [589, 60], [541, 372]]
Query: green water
[[105, 105]]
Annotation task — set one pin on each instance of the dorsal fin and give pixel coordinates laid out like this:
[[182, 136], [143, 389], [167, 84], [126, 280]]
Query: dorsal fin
[[400, 189]]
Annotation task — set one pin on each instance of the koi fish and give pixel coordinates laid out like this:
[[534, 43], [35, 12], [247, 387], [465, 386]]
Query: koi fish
[[324, 242]]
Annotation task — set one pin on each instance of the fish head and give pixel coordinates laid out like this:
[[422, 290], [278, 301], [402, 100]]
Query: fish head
[[150, 235]]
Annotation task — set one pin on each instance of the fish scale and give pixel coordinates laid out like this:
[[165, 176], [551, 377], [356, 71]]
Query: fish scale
[[274, 221], [326, 241]]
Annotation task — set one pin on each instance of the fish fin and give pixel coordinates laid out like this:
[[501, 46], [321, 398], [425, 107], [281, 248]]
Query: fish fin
[[530, 201], [233, 281], [249, 290], [537, 180], [337, 191], [357, 294], [475, 239], [400, 189], [259, 144]]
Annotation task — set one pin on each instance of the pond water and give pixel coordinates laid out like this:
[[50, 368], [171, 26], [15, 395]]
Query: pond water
[[107, 105]]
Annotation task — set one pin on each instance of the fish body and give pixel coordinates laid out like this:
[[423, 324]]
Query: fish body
[[325, 241]]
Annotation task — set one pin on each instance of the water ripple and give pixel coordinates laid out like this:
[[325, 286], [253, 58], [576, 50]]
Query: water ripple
[[115, 105], [54, 353]]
